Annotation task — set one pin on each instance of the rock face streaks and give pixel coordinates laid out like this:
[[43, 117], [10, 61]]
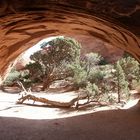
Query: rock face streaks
[[24, 23]]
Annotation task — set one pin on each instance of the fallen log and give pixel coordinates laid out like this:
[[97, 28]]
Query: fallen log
[[50, 102], [27, 95]]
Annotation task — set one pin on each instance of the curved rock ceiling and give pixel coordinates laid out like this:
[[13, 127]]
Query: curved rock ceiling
[[25, 22]]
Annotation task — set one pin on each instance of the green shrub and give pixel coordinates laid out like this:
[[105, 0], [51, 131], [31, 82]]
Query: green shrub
[[79, 75], [12, 77], [92, 90]]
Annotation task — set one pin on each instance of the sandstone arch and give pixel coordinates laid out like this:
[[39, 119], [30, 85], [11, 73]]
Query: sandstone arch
[[24, 23]]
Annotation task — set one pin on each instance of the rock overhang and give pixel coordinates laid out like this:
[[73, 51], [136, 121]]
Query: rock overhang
[[24, 23]]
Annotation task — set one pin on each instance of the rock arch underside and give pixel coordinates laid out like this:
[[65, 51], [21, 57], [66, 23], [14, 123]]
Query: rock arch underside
[[25, 22]]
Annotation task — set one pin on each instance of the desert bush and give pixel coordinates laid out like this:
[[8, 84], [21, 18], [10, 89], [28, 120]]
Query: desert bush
[[131, 68], [79, 78], [121, 82], [11, 78], [92, 90]]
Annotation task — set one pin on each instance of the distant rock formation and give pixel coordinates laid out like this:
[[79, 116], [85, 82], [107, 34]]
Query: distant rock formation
[[24, 23]]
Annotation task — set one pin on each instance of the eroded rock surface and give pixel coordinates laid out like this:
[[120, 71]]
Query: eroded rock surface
[[24, 23]]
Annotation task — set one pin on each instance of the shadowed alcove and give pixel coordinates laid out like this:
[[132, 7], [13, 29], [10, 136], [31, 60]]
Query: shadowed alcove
[[24, 23], [103, 26]]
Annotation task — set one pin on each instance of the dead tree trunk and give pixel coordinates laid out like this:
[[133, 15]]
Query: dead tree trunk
[[50, 102], [73, 103]]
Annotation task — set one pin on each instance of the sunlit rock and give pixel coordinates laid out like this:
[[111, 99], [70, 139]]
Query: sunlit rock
[[24, 23]]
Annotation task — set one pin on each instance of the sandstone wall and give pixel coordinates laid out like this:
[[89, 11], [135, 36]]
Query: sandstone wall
[[24, 23]]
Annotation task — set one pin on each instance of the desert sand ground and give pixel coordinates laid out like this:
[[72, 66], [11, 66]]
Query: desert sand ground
[[26, 122]]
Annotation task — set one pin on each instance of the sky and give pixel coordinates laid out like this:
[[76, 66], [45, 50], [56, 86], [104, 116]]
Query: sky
[[37, 47]]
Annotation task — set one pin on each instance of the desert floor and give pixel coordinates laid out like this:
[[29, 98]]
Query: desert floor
[[28, 122]]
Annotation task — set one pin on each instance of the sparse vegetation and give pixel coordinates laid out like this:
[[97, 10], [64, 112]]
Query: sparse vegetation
[[121, 83], [60, 59]]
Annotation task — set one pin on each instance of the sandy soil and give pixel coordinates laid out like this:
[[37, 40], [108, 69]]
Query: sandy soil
[[9, 108], [24, 122]]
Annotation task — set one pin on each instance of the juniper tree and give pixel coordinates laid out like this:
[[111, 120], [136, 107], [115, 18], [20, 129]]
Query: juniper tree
[[121, 83], [79, 78], [50, 63], [82, 69], [92, 91], [131, 68], [90, 60]]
